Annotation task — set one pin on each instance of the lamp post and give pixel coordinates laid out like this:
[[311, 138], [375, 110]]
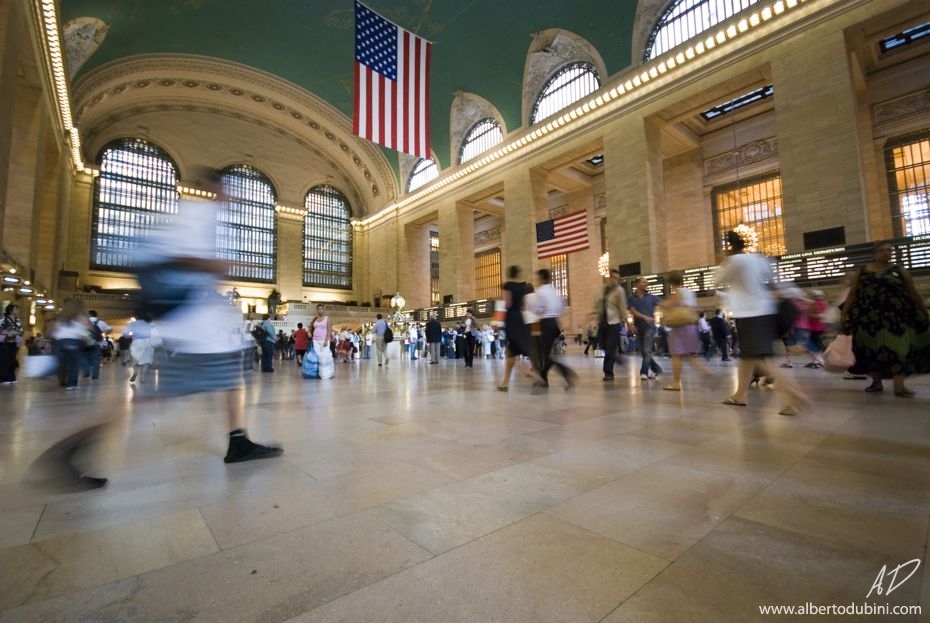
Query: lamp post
[[397, 304]]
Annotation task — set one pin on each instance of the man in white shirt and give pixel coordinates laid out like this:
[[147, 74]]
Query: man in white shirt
[[548, 306]]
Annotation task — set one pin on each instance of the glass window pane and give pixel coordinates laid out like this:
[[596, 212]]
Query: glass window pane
[[908, 162], [488, 274], [424, 171], [483, 136], [686, 19], [246, 235], [136, 190], [568, 85], [327, 239], [755, 202]]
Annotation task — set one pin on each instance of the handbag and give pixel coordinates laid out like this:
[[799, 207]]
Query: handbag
[[680, 316], [40, 365], [500, 313], [839, 355]]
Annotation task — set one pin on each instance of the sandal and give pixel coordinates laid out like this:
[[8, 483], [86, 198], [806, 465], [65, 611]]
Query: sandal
[[672, 388], [905, 393], [733, 402], [874, 387], [788, 410], [502, 388]]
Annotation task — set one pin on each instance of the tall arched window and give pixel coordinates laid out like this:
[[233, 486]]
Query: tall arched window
[[327, 239], [246, 236], [484, 135], [686, 19], [569, 84], [136, 189], [424, 171]]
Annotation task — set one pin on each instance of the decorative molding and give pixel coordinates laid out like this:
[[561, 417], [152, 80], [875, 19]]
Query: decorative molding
[[902, 107], [559, 211], [81, 38], [183, 77], [600, 203], [488, 236], [467, 109], [750, 153], [550, 50]]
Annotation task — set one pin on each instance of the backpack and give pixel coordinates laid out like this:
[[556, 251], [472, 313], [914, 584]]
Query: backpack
[[95, 333], [258, 333], [388, 336]]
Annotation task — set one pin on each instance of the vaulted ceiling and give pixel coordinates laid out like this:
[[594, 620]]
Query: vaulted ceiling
[[269, 67]]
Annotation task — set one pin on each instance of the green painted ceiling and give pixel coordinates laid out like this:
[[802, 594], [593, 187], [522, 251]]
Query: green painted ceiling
[[480, 45]]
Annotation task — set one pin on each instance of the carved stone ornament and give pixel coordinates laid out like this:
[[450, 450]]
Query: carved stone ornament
[[902, 107], [467, 110], [82, 36], [487, 236], [550, 50], [750, 153]]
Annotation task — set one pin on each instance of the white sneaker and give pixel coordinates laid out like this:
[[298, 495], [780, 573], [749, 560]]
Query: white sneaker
[[643, 377], [653, 376]]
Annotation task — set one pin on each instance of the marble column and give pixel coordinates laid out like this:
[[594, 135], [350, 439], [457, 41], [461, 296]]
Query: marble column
[[457, 250]]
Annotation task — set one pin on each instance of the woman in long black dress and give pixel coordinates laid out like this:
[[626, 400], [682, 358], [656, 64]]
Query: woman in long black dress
[[518, 337], [888, 322]]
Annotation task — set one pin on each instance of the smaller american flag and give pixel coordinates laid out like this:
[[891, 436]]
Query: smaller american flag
[[565, 234]]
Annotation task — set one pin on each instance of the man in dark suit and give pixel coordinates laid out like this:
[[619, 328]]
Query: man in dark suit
[[719, 330]]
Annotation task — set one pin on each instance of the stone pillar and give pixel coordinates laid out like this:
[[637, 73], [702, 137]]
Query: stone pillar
[[635, 198], [457, 250], [26, 138], [523, 209], [817, 138], [74, 229], [414, 277], [290, 255]]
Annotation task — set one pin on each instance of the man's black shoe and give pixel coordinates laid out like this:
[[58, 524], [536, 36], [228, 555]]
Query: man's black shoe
[[247, 450]]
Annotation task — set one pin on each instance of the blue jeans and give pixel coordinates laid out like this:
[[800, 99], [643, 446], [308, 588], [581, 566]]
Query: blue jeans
[[646, 340], [92, 361], [70, 355]]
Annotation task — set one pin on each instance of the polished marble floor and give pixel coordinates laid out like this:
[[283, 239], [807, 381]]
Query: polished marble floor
[[418, 492]]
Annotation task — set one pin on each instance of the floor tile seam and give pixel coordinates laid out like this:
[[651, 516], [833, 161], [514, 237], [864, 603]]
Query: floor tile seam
[[145, 517], [826, 541], [608, 537], [35, 527]]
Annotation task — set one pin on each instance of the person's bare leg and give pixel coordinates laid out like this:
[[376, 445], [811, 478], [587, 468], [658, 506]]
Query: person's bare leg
[[508, 370], [676, 373], [743, 376], [234, 412], [786, 385]]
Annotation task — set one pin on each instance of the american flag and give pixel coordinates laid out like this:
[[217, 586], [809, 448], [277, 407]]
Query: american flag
[[565, 234], [391, 84]]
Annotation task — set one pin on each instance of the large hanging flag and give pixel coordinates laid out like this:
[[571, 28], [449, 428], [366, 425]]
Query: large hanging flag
[[391, 84], [563, 235]]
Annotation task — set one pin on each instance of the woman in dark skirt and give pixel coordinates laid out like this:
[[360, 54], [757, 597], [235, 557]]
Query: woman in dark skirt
[[747, 277], [518, 336], [888, 321]]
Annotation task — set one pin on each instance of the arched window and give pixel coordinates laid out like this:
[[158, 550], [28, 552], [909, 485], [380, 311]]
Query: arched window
[[569, 84], [686, 19], [484, 135], [908, 164], [424, 171], [136, 189], [327, 239], [246, 237]]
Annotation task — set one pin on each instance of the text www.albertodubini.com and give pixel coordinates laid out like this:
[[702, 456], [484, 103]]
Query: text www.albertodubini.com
[[853, 608]]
